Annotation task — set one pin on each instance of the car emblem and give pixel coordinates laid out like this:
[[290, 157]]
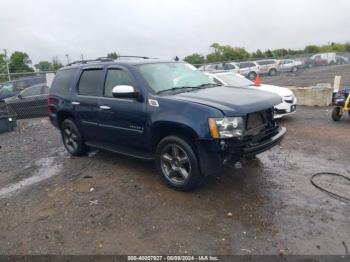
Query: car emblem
[[153, 102]]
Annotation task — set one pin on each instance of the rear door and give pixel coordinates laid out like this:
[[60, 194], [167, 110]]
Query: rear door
[[85, 102], [122, 120]]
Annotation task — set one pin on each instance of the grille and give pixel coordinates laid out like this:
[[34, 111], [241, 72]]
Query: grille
[[256, 119]]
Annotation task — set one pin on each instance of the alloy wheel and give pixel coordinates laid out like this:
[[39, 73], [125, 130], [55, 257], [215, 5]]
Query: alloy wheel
[[175, 164], [70, 138]]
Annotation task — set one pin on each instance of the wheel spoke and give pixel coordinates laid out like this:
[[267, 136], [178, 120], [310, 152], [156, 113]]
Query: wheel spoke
[[167, 158], [74, 137], [183, 160], [67, 131], [183, 172], [174, 150], [172, 173]]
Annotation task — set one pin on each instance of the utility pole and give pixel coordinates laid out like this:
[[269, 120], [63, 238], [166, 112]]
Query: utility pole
[[82, 57], [7, 66], [67, 58]]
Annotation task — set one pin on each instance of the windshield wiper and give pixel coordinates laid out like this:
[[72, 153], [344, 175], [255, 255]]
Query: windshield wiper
[[188, 87]]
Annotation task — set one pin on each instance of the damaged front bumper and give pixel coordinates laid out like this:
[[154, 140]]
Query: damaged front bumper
[[213, 154]]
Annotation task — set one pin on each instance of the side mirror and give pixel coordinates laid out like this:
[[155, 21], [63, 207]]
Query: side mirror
[[125, 91]]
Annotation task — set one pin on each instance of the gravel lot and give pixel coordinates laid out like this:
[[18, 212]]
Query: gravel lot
[[312, 76], [52, 203]]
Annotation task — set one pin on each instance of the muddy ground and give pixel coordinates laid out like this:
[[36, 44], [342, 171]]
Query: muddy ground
[[52, 203], [311, 76]]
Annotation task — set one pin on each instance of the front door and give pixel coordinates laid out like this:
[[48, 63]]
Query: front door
[[122, 120]]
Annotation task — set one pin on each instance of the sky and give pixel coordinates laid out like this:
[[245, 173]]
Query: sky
[[165, 28]]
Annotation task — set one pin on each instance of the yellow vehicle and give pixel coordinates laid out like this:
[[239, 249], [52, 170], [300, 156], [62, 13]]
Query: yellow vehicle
[[342, 104]]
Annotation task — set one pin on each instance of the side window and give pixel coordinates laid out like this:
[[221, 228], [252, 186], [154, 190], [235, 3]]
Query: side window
[[114, 78], [90, 82], [229, 66], [251, 64], [63, 81], [31, 91], [243, 65]]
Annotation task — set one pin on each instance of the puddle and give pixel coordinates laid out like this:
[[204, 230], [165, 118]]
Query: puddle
[[45, 168]]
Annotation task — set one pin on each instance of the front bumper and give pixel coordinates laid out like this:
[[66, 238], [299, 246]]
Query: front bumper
[[285, 108], [213, 154]]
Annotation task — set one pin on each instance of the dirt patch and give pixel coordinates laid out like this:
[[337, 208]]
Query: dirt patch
[[109, 204]]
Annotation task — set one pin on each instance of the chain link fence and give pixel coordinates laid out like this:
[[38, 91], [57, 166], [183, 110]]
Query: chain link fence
[[300, 70], [25, 95]]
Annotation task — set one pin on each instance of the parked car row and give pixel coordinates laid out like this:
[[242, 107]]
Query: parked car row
[[272, 67]]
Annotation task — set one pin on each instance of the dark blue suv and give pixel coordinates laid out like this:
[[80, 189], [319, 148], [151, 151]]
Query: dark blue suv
[[165, 111]]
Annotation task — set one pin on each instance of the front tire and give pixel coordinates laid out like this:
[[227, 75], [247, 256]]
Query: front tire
[[336, 114], [72, 138], [272, 72], [177, 163], [294, 69]]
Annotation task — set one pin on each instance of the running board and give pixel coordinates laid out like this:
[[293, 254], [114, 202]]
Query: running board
[[122, 151]]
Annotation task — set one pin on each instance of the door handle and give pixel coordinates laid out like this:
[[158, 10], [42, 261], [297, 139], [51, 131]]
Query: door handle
[[75, 103], [105, 107]]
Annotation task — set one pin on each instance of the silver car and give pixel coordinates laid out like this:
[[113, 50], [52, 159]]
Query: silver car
[[290, 65], [220, 67]]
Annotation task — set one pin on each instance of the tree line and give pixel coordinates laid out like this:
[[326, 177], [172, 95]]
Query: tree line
[[228, 53]]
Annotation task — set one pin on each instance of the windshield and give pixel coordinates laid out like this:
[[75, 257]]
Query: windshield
[[167, 76], [235, 80], [7, 88]]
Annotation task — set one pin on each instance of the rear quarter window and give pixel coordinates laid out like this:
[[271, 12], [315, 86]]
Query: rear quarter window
[[63, 81]]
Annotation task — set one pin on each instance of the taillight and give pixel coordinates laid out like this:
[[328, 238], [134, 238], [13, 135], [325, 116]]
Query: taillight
[[49, 102]]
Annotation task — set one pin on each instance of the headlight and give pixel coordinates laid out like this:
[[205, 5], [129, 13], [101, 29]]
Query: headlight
[[226, 127]]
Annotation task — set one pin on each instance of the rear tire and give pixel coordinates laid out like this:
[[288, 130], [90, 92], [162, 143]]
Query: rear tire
[[177, 163], [336, 114], [72, 138], [252, 75]]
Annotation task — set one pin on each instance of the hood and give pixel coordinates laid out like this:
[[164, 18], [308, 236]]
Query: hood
[[231, 101], [281, 91]]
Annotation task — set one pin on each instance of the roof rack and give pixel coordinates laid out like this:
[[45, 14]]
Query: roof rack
[[100, 59], [133, 56], [106, 59]]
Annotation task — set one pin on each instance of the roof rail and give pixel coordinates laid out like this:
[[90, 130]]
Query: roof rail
[[106, 59], [133, 56], [100, 59]]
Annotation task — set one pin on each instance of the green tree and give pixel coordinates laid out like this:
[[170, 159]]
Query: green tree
[[280, 52], [226, 53], [56, 64], [268, 53], [3, 78], [43, 66], [312, 49], [257, 54], [19, 62], [112, 55], [195, 59], [347, 46]]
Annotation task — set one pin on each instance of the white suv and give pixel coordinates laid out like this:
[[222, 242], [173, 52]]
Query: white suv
[[249, 69]]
